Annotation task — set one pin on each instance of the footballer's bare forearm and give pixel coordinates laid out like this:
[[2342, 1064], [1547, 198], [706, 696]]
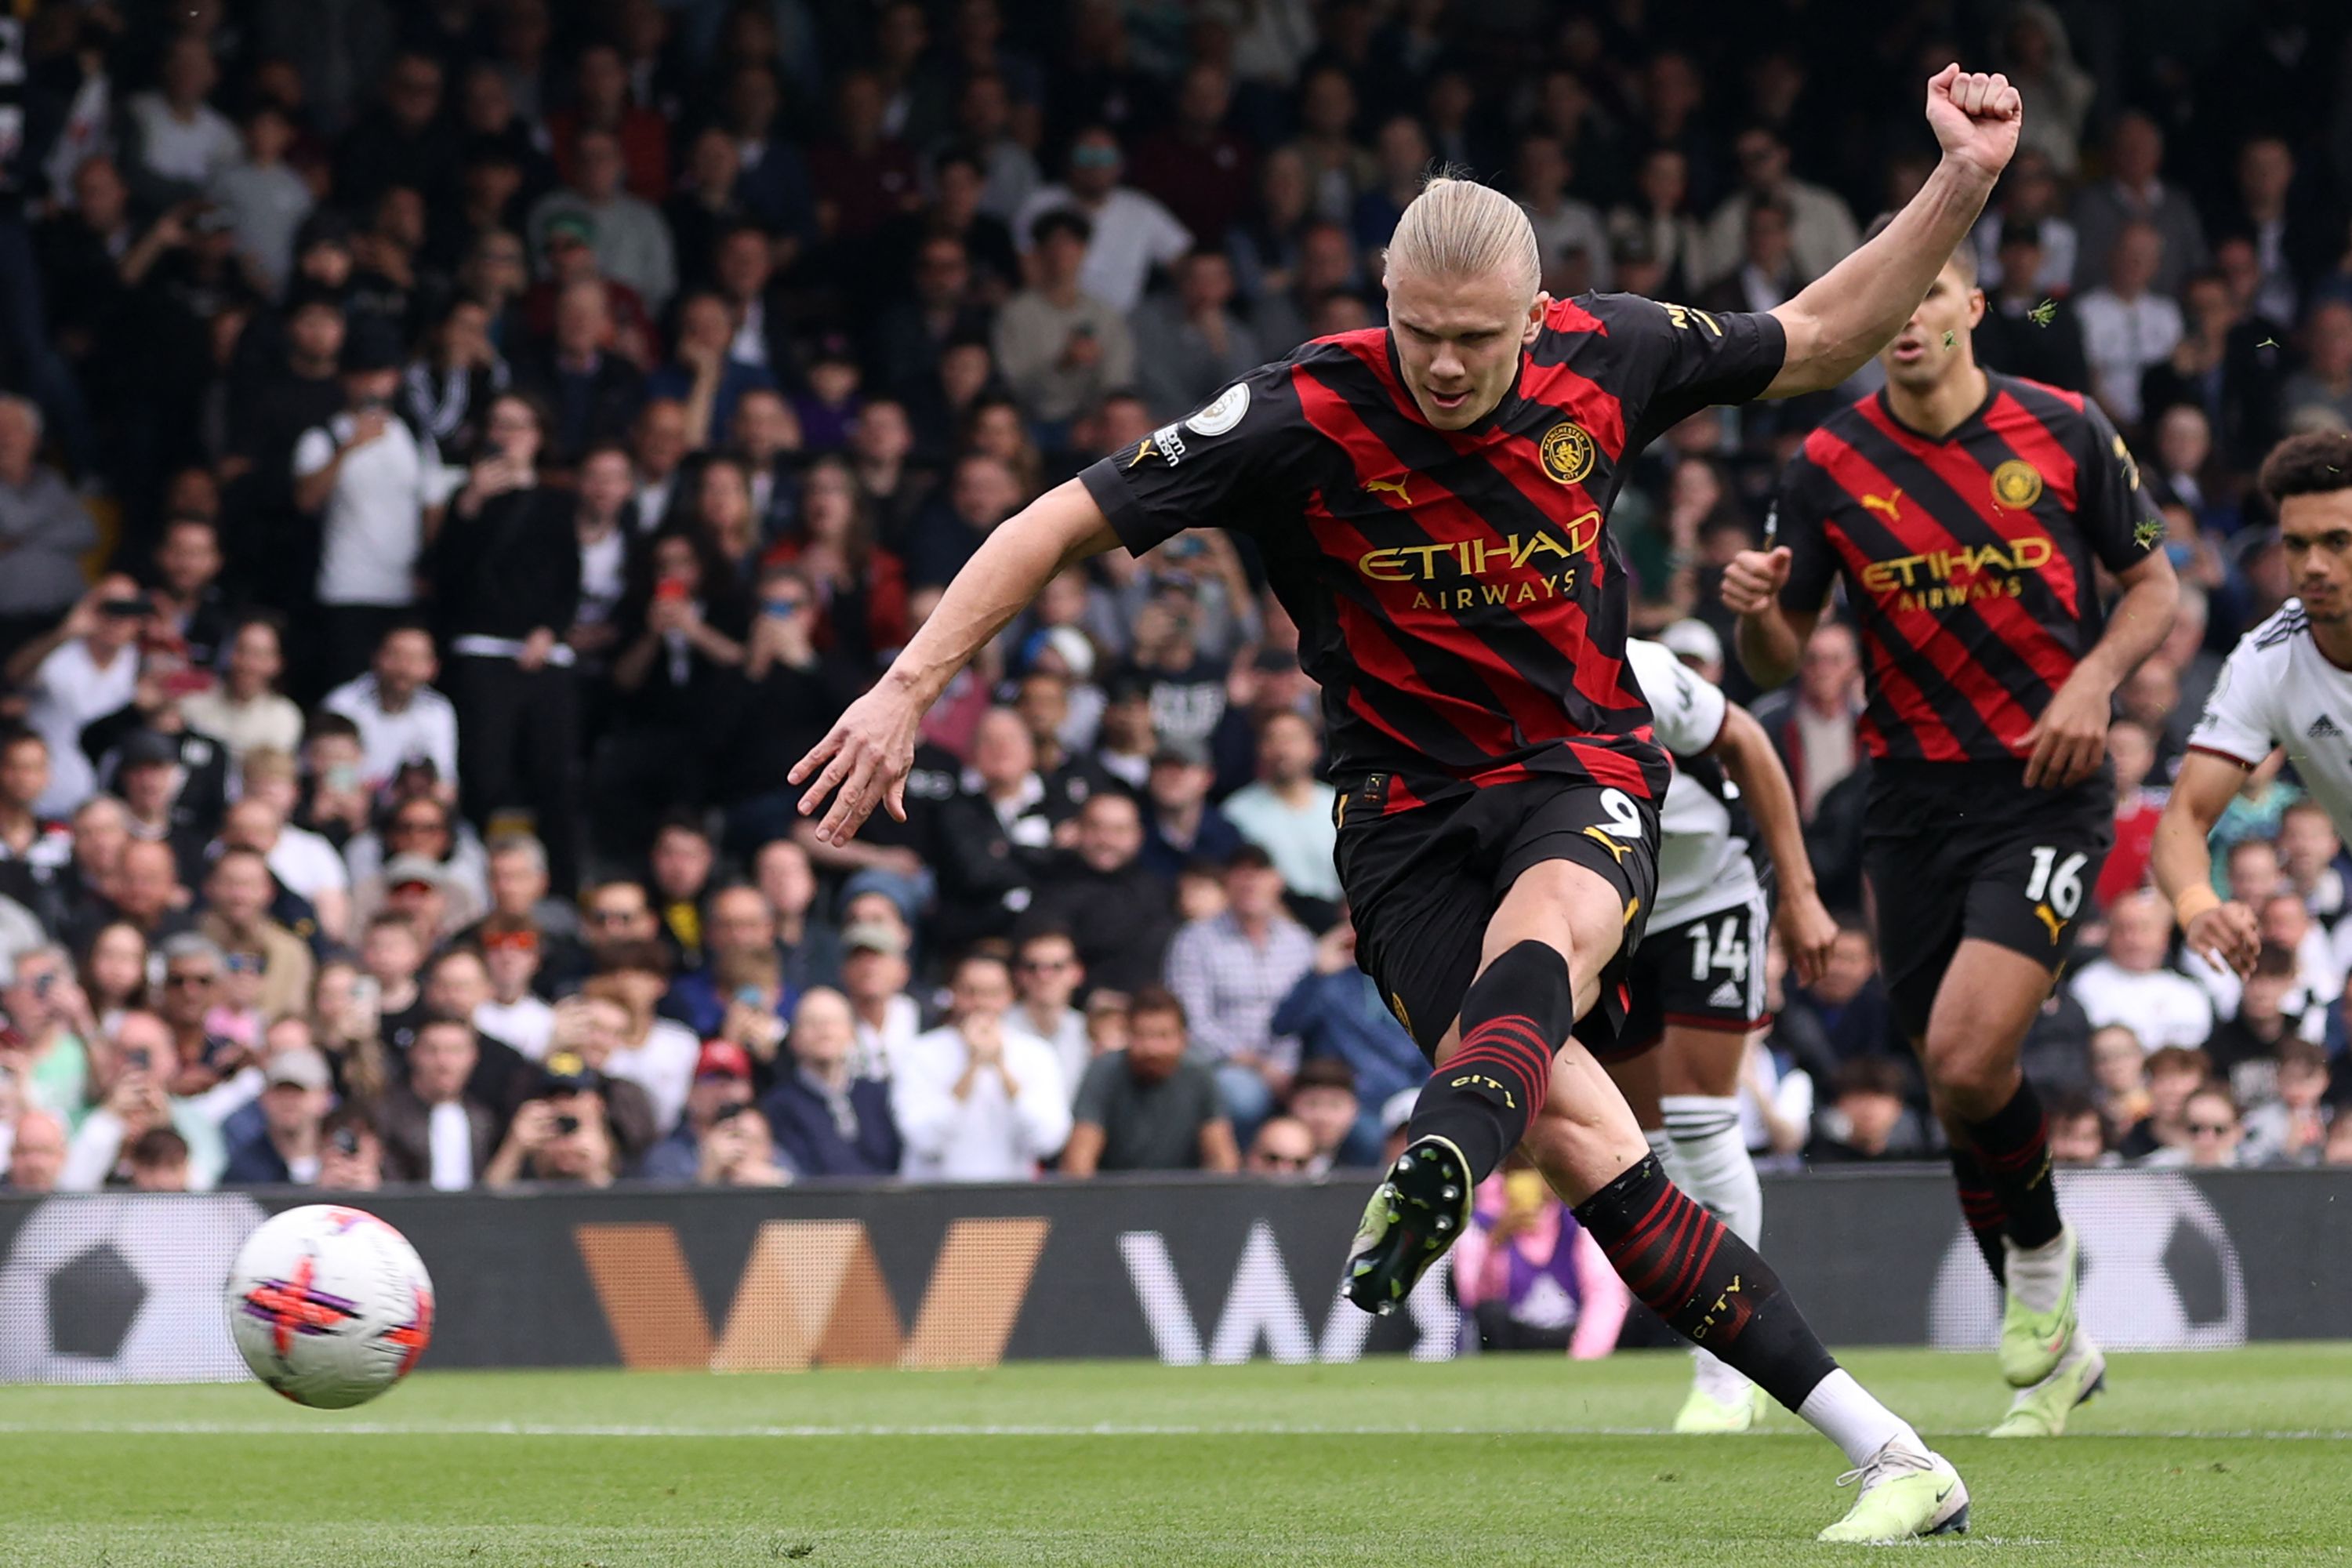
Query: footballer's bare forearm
[[2183, 853], [1768, 645], [1748, 756], [1850, 312], [1005, 577], [2138, 626]]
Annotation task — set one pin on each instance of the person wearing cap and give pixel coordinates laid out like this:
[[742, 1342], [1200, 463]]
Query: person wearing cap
[[632, 242], [83, 668], [416, 888], [1180, 824], [885, 1019], [567, 1135], [376, 487], [722, 1088], [1698, 645], [295, 1098], [827, 1119], [977, 1100], [1230, 970], [434, 1129]]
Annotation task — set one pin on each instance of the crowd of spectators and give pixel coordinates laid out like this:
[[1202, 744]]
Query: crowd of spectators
[[457, 456]]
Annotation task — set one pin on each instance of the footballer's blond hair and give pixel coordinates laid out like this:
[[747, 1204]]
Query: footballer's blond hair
[[1459, 228]]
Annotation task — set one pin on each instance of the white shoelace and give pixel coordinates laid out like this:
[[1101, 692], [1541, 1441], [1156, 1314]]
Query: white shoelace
[[1887, 1463]]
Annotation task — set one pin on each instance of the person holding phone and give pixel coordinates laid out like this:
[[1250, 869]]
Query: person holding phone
[[506, 572]]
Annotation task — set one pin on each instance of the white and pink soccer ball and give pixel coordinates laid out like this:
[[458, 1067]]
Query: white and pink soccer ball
[[329, 1305]]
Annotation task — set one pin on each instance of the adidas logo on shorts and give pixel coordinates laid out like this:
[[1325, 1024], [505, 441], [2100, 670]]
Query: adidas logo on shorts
[[2324, 728], [1726, 994]]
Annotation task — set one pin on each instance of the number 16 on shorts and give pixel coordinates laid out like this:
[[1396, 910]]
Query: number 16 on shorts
[[2055, 888]]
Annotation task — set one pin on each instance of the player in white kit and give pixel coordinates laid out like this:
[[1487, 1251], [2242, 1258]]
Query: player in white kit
[[2288, 683], [1697, 979]]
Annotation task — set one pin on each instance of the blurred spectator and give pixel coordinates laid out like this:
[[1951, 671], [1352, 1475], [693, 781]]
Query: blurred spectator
[[2270, 1010], [376, 487], [49, 1042], [237, 894], [1048, 976], [36, 851], [1060, 346], [1231, 972], [1283, 1149], [288, 1149], [158, 1162], [682, 623], [1323, 1097], [705, 375], [2292, 1127], [722, 1088], [1182, 826], [1866, 1118], [2131, 750], [1815, 722], [514, 1013], [1119, 911], [189, 602], [593, 391], [1765, 274], [2309, 849], [2131, 985], [1190, 344], [874, 976], [994, 838], [434, 1130], [977, 1100], [2027, 214], [738, 991], [862, 174], [2228, 366], [36, 1152], [1846, 1011], [1820, 231], [938, 309], [2214, 1131], [1338, 1014], [2077, 1135], [1288, 811], [2027, 331], [2128, 325], [631, 241], [174, 141], [657, 1054], [1660, 225], [135, 1100], [2174, 1073], [1530, 1277], [1570, 238], [44, 530], [245, 711], [84, 668], [2135, 192], [601, 101], [2325, 382], [1126, 232], [351, 1153], [735, 1150], [826, 1118], [810, 946], [1147, 1106], [1201, 171], [566, 1135]]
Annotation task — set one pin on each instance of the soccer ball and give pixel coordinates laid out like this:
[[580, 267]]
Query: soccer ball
[[329, 1305]]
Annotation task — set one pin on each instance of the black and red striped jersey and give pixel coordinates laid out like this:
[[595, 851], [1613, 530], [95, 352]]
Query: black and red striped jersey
[[1458, 593], [1968, 559]]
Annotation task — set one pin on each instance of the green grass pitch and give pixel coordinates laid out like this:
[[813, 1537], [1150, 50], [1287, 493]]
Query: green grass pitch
[[2242, 1460]]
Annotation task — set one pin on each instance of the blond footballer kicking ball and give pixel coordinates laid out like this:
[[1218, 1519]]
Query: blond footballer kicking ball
[[329, 1305]]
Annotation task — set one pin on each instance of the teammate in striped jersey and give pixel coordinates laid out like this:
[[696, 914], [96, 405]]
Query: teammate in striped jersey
[[1697, 979], [1430, 502], [1967, 514], [2288, 683]]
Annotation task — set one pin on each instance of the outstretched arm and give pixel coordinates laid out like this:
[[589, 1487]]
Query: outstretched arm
[[867, 755], [1854, 309], [2222, 934]]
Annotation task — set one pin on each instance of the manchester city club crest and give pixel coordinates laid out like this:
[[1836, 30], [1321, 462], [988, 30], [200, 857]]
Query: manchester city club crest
[[2016, 484], [1567, 452]]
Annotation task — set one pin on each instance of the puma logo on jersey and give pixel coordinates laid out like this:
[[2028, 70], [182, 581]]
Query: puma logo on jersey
[[1889, 503], [1389, 487], [2049, 917], [1616, 850]]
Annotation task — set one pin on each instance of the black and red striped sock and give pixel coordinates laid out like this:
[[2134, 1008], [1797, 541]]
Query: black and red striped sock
[[2012, 1144], [1515, 1016], [1683, 1264], [1981, 1207]]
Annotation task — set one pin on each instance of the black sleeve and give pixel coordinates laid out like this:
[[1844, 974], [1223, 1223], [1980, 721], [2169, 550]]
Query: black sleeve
[[1798, 520], [2117, 517], [1230, 465], [1671, 361]]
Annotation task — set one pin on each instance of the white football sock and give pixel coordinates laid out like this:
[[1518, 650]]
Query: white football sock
[[1712, 1165], [2037, 1275], [1716, 1169], [1842, 1410], [1670, 1159]]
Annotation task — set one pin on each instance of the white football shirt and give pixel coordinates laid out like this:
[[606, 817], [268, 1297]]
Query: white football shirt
[[1703, 865], [2278, 690]]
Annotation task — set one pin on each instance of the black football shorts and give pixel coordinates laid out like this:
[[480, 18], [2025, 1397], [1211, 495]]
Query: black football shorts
[[1706, 973], [1422, 881], [1965, 850]]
